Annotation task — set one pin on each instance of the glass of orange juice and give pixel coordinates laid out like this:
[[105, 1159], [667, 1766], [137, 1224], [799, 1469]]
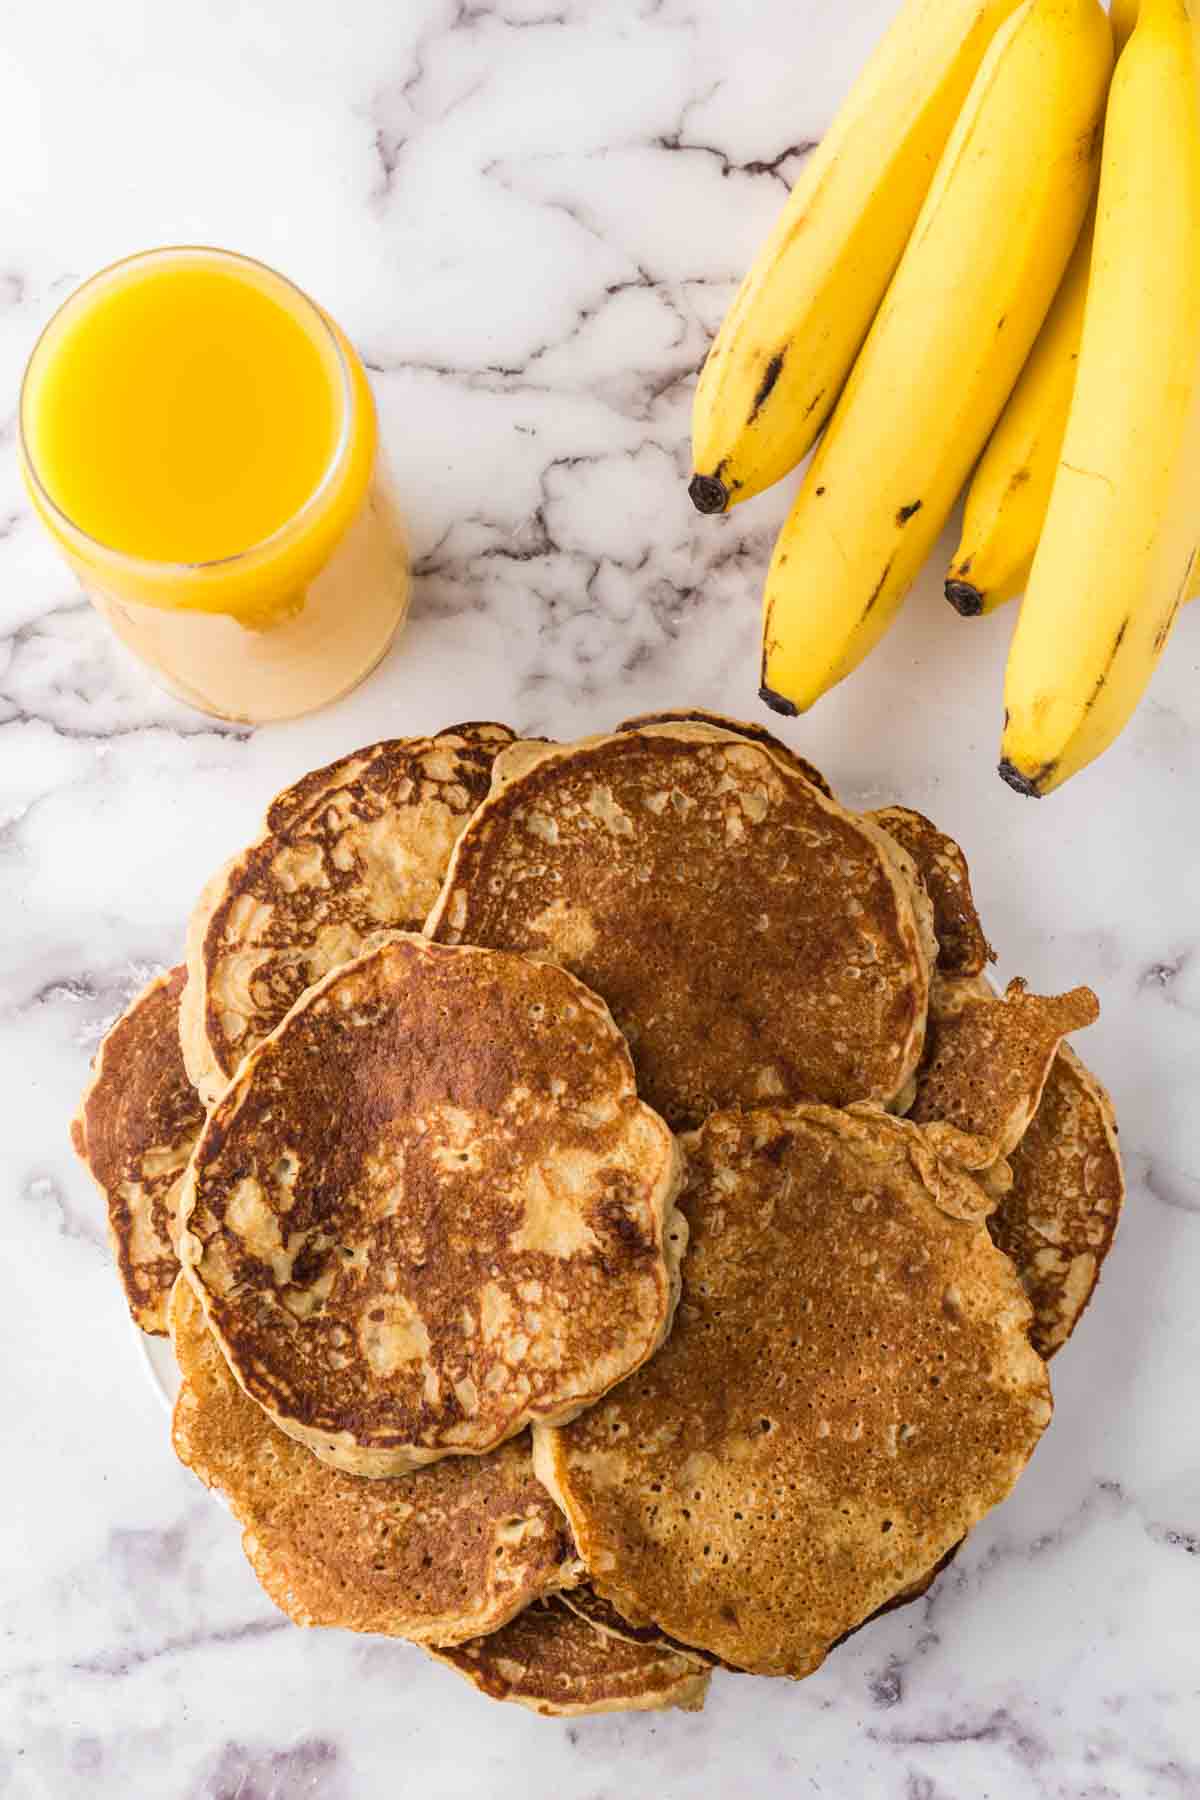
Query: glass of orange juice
[[200, 439]]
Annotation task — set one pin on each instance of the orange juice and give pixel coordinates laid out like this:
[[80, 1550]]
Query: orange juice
[[201, 441]]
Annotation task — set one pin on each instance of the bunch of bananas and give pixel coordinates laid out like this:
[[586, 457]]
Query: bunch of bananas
[[992, 262]]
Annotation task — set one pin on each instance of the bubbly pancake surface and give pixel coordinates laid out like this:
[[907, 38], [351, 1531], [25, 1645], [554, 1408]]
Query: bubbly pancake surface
[[553, 1661], [292, 802], [436, 1556], [351, 851], [754, 941], [136, 1125], [1060, 1217], [758, 734], [848, 1388], [1057, 1217], [431, 1208]]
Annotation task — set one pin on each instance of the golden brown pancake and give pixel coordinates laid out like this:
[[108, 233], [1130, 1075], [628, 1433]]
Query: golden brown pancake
[[758, 734], [552, 1661], [355, 850], [848, 1388], [487, 735], [754, 941], [437, 1556], [1060, 1217], [987, 1059], [431, 1208], [962, 947], [907, 1596], [137, 1122]]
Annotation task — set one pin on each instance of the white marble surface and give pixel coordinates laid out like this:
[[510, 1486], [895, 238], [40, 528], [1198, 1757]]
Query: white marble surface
[[529, 216]]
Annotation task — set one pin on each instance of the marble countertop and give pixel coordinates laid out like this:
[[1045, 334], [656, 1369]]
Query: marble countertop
[[530, 216]]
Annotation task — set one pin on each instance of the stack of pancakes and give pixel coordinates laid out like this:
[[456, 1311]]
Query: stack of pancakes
[[608, 1225]]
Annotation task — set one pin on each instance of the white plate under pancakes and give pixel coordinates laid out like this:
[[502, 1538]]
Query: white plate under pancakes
[[158, 1359]]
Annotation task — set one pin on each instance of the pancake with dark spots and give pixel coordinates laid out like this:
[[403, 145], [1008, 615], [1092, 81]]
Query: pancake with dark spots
[[136, 1125], [552, 1661], [485, 734], [1060, 1217], [962, 947], [351, 851], [758, 734], [987, 1059], [754, 941], [438, 1556], [431, 1208], [848, 1388]]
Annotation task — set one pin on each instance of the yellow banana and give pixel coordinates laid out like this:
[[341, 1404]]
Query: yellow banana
[[1120, 538], [783, 353], [972, 290], [1123, 16], [1010, 490]]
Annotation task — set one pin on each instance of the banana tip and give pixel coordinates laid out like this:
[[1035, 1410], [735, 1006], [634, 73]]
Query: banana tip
[[966, 600], [777, 703], [708, 494], [1022, 784]]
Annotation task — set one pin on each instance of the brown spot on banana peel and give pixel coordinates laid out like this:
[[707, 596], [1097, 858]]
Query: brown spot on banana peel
[[1105, 672], [771, 374], [794, 230], [1184, 589], [879, 586], [1088, 474], [909, 512], [1164, 630]]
